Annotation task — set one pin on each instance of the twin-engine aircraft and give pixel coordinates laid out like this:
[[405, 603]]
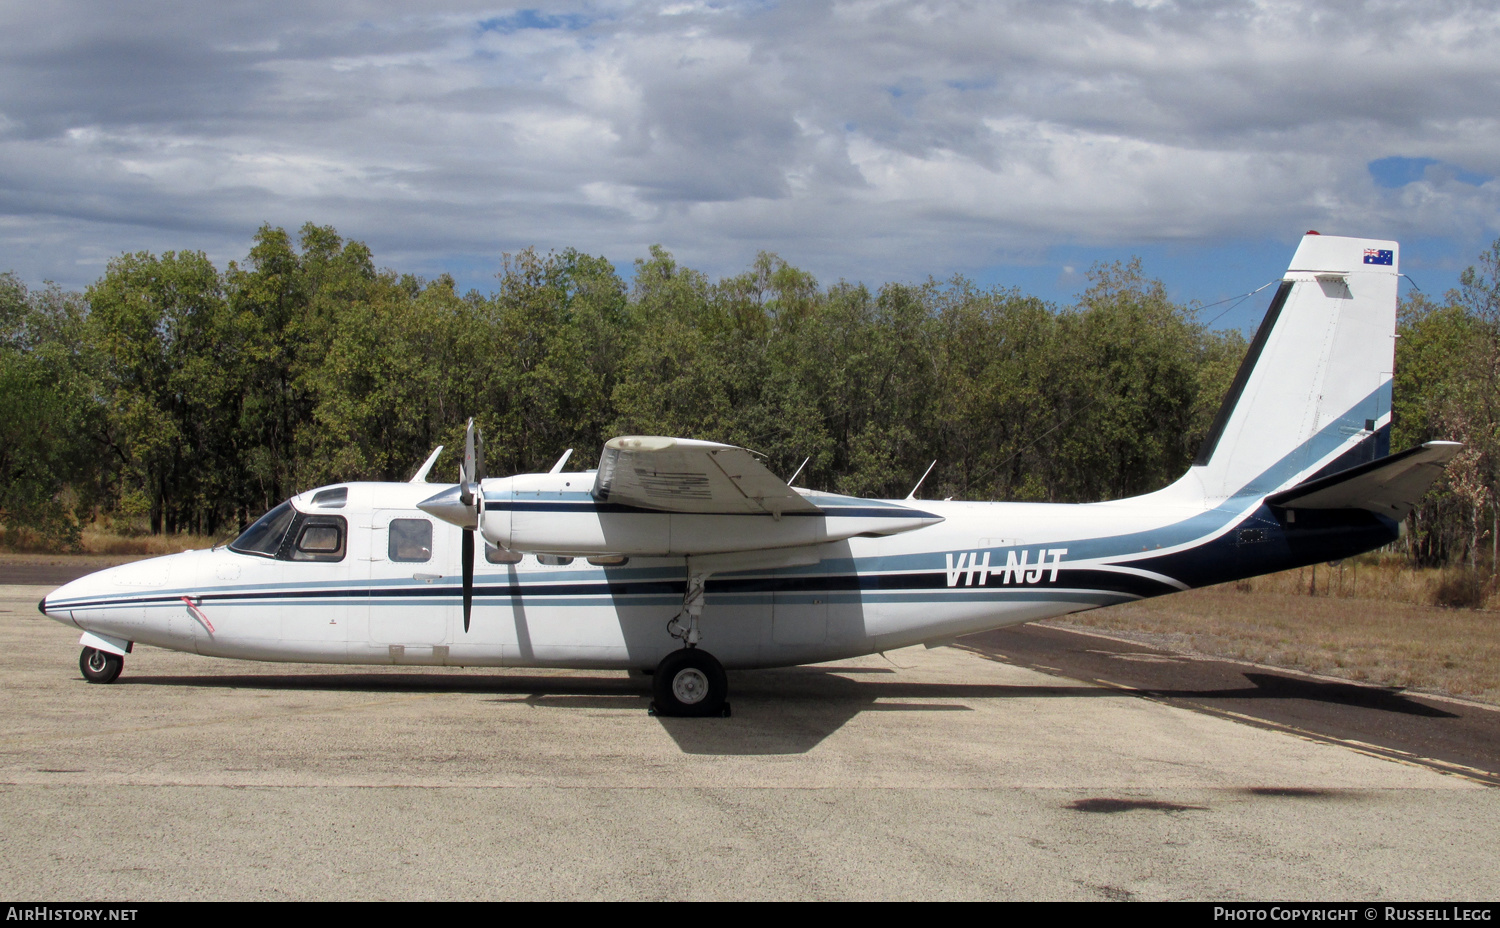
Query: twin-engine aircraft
[[682, 558]]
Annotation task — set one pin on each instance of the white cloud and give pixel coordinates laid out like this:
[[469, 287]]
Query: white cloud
[[865, 139]]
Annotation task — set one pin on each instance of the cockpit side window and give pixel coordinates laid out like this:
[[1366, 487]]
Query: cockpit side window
[[319, 538], [265, 536]]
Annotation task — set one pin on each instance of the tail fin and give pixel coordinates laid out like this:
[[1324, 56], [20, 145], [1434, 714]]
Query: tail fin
[[1313, 395]]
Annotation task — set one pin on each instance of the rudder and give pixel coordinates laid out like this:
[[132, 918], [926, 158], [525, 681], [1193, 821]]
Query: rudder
[[1313, 395]]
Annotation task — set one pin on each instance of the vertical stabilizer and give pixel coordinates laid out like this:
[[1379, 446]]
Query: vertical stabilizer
[[1313, 395]]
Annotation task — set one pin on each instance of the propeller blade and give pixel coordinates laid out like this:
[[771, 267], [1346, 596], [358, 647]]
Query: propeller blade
[[479, 472], [468, 577], [471, 496], [466, 468]]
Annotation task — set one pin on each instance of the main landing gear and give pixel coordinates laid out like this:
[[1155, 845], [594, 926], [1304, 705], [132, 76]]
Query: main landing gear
[[100, 666], [690, 681]]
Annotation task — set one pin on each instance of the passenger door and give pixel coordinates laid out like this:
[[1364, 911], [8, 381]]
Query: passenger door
[[414, 584]]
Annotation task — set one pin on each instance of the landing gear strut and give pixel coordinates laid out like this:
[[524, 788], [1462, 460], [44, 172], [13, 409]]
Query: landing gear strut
[[690, 682], [692, 607], [100, 666]]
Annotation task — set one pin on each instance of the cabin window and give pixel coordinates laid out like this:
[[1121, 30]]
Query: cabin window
[[411, 540], [265, 536], [553, 560], [609, 560], [496, 555], [321, 538]]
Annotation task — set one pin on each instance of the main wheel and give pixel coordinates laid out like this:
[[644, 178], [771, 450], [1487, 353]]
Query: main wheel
[[690, 682], [100, 666]]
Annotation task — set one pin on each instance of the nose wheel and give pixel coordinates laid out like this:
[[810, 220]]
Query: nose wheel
[[100, 666], [690, 682]]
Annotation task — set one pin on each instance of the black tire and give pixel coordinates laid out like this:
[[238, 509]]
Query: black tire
[[100, 666], [690, 682]]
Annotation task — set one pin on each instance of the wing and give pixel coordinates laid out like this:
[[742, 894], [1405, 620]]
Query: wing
[[1391, 486], [684, 475]]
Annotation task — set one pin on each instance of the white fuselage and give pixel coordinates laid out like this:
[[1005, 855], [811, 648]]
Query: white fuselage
[[985, 565]]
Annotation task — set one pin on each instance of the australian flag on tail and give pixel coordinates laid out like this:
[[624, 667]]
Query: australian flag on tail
[[1379, 256]]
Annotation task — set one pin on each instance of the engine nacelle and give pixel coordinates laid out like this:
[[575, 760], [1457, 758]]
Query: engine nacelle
[[557, 514]]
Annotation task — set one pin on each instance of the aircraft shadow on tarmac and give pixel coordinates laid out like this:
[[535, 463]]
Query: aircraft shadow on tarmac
[[784, 711], [1276, 686]]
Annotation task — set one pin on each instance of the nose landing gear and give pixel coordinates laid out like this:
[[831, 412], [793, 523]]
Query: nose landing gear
[[100, 666]]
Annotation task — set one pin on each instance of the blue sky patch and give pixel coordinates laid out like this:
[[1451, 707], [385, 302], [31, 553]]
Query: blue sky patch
[[1396, 171], [983, 83], [533, 19]]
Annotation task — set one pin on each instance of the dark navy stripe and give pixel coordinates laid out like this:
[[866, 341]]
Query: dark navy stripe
[[834, 511], [1370, 449], [1266, 541], [1075, 579]]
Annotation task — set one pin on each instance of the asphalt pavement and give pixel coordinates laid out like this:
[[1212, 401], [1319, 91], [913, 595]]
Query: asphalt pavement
[[1455, 736], [951, 773]]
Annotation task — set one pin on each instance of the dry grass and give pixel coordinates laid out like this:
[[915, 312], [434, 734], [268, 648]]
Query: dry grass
[[1379, 578], [1374, 624], [97, 541]]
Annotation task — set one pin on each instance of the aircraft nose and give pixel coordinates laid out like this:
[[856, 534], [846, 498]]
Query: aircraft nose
[[57, 606]]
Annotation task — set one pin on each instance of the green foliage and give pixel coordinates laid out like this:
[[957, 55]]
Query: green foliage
[[45, 416], [1447, 386], [200, 398], [167, 355]]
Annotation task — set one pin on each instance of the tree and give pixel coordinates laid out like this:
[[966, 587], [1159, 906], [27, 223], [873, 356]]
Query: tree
[[1446, 383], [168, 370], [288, 305]]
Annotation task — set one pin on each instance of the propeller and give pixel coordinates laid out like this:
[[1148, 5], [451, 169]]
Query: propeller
[[463, 506], [471, 496]]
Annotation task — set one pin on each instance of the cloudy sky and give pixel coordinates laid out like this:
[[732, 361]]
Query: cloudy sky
[[1014, 142]]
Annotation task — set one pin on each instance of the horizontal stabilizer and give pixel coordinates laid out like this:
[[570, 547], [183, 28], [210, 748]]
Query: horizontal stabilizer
[[684, 475], [1391, 486]]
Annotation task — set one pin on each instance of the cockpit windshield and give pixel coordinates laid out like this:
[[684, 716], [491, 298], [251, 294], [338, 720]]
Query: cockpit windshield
[[289, 535], [264, 537]]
